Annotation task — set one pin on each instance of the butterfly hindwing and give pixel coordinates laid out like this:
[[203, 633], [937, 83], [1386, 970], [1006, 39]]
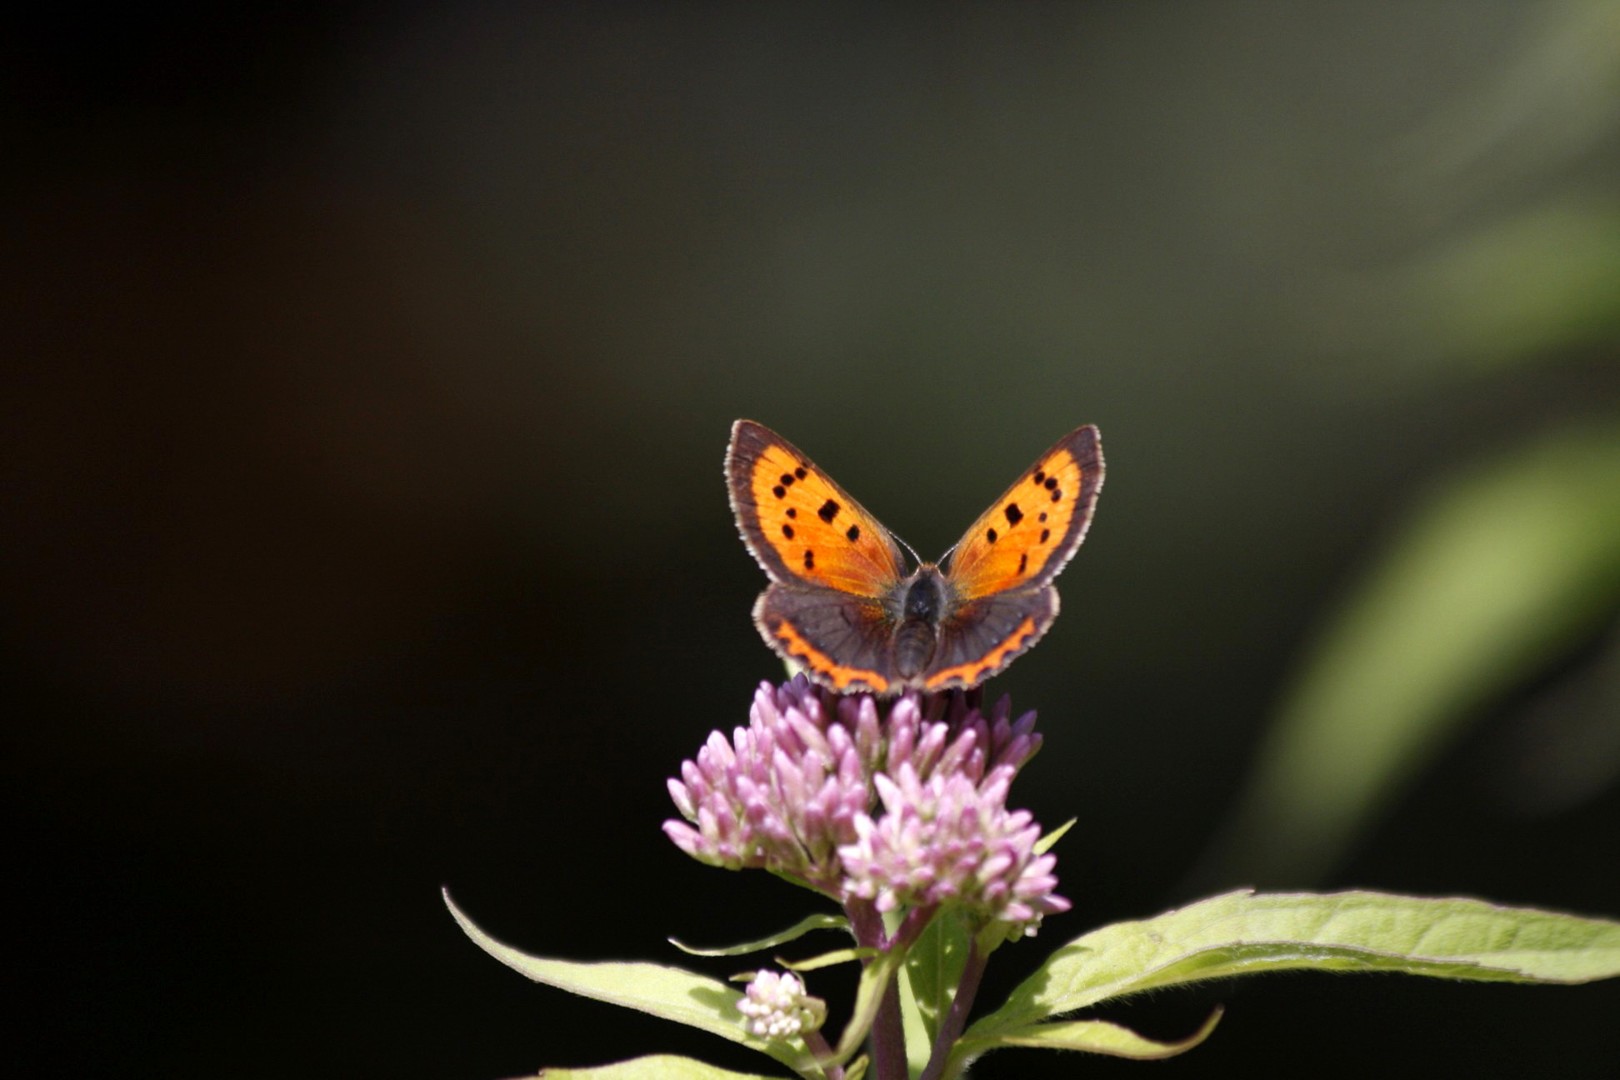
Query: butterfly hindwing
[[1029, 533], [799, 524], [842, 640], [983, 636]]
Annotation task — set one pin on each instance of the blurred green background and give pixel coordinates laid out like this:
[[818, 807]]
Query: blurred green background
[[369, 376]]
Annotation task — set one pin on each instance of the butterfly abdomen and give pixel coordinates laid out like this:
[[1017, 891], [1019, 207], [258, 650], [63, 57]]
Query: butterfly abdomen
[[917, 633]]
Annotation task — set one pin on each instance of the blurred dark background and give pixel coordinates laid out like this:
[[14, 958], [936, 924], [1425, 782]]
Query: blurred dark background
[[368, 375]]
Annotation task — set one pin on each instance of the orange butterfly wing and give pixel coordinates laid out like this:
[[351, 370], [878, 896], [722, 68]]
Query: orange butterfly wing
[[802, 527], [834, 569], [1031, 532]]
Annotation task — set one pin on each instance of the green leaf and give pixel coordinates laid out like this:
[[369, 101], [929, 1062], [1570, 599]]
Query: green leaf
[[682, 996], [919, 1043], [782, 937], [928, 981], [1049, 841], [1243, 933], [1090, 1036], [657, 1067], [876, 978], [828, 959], [1498, 575]]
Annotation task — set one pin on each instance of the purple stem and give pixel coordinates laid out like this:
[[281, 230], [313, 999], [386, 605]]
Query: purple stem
[[888, 1036], [816, 1043]]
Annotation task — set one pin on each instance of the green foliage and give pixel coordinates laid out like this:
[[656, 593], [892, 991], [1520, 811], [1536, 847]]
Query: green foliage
[[792, 933], [1090, 1036], [1511, 269], [929, 980], [1249, 933], [1244, 933], [877, 977], [1498, 573], [658, 1067], [682, 996], [1240, 933]]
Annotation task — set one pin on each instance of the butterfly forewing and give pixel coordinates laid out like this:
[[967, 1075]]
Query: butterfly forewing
[[1029, 533], [800, 525]]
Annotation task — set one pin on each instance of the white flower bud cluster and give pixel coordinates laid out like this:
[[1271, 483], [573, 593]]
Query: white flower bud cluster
[[777, 1007]]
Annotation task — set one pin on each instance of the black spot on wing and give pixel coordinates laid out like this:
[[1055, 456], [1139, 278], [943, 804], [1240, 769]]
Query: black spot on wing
[[828, 511], [1014, 515], [854, 533]]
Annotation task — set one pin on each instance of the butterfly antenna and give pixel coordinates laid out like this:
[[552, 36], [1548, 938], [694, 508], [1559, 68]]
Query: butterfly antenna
[[915, 558]]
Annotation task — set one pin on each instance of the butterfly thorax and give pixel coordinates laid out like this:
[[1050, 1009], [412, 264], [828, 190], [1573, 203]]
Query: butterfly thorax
[[922, 602]]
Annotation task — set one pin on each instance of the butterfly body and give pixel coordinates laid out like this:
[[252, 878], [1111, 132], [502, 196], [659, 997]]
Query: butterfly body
[[912, 611], [917, 632], [841, 602]]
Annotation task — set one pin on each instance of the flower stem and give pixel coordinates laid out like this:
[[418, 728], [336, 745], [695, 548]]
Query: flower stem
[[816, 1043], [888, 1035]]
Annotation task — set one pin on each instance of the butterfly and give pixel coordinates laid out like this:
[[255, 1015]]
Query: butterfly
[[844, 607]]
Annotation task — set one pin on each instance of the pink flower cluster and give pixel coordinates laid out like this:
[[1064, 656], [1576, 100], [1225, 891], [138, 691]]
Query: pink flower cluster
[[905, 810], [946, 841], [783, 794]]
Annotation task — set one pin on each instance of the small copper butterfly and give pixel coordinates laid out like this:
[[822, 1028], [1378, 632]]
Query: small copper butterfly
[[841, 602]]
